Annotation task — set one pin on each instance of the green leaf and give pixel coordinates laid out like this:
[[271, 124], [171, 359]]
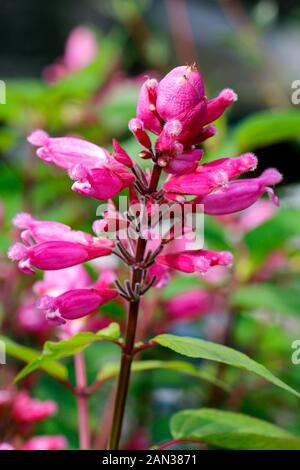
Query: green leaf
[[112, 369], [194, 347], [25, 354], [60, 349], [267, 128], [231, 430], [270, 297]]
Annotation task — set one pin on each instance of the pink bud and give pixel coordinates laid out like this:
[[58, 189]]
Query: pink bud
[[74, 304], [195, 261], [217, 106], [80, 48], [54, 255], [146, 106], [179, 92], [166, 141], [27, 410], [66, 152], [121, 155], [137, 128], [240, 194], [185, 163], [45, 443]]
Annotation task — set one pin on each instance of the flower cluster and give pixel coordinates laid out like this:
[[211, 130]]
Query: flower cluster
[[177, 111]]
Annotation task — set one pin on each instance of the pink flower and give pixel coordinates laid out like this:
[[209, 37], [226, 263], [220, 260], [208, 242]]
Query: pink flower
[[65, 152], [57, 282], [240, 194], [26, 409], [191, 261], [189, 304], [80, 51], [211, 175], [257, 214], [74, 304], [45, 230], [6, 446], [57, 254], [30, 320], [100, 183], [45, 443], [180, 97]]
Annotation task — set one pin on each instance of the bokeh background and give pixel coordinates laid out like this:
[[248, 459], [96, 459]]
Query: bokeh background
[[250, 46]]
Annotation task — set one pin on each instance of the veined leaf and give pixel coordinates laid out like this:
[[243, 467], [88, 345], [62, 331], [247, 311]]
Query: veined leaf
[[60, 349], [231, 430], [25, 354], [194, 347]]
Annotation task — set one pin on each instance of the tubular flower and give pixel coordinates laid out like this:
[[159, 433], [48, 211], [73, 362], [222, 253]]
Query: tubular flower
[[211, 175], [100, 183], [191, 261], [26, 409], [44, 230], [66, 152], [54, 255], [241, 194], [74, 304], [146, 106]]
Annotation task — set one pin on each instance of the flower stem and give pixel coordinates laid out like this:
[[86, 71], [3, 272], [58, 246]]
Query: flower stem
[[82, 402], [128, 348]]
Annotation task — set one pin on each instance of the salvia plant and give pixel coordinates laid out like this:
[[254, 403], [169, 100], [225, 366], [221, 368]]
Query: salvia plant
[[155, 237]]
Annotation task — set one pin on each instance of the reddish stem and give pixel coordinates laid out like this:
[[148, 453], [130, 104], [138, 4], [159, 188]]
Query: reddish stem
[[128, 347], [144, 346], [82, 402]]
